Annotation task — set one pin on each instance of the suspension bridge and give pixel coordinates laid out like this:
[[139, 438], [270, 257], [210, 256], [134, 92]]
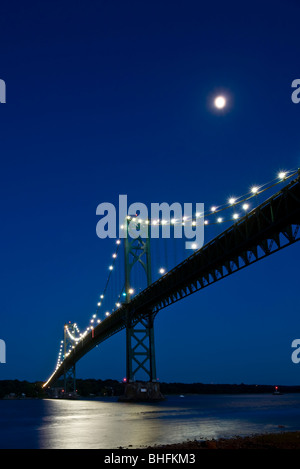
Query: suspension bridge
[[142, 280]]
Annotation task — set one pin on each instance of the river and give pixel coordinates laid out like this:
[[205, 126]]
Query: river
[[105, 423]]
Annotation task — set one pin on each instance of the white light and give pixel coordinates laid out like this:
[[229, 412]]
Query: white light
[[245, 206], [101, 296], [130, 291], [118, 304], [114, 255], [219, 220], [235, 216], [232, 200], [205, 222], [94, 315], [254, 190], [194, 246], [173, 221], [163, 222], [194, 223], [213, 209], [107, 313], [162, 270], [118, 241], [220, 102], [98, 321], [110, 267], [282, 175]]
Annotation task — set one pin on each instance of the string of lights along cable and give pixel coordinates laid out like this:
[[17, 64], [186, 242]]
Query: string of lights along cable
[[113, 293]]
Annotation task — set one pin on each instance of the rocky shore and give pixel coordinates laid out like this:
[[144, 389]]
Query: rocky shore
[[282, 440]]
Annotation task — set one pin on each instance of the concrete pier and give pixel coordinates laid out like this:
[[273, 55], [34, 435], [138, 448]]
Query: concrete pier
[[140, 391]]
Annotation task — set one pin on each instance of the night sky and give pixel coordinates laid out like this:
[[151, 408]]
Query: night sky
[[112, 97]]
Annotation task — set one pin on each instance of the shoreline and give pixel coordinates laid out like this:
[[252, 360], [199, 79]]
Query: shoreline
[[281, 440]]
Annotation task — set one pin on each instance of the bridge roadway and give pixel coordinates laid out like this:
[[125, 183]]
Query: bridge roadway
[[265, 230]]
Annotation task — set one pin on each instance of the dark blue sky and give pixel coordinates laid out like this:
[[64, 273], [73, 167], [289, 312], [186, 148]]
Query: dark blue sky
[[109, 98]]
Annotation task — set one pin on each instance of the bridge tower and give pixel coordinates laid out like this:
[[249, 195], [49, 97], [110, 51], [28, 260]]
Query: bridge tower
[[140, 350], [69, 374]]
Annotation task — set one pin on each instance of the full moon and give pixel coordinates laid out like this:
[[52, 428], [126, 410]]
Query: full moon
[[220, 102]]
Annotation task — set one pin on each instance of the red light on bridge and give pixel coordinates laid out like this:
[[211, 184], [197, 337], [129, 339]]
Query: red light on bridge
[[124, 380]]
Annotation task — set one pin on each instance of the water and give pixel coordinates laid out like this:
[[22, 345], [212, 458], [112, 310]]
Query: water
[[108, 424]]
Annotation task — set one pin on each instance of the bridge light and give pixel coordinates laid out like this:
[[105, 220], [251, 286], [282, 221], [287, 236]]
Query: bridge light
[[235, 216], [219, 220], [205, 222], [118, 305], [173, 221], [213, 209], [99, 304], [101, 296], [161, 270], [232, 200], [114, 255], [282, 175], [118, 241], [254, 189], [130, 291], [107, 313], [194, 246], [245, 206], [111, 267], [98, 321]]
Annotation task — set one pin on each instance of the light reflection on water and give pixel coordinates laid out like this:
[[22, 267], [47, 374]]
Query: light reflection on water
[[108, 424]]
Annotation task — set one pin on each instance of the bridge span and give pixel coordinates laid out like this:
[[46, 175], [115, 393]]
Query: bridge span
[[270, 227]]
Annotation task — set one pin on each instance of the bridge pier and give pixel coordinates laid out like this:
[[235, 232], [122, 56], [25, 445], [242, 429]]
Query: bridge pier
[[141, 391]]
